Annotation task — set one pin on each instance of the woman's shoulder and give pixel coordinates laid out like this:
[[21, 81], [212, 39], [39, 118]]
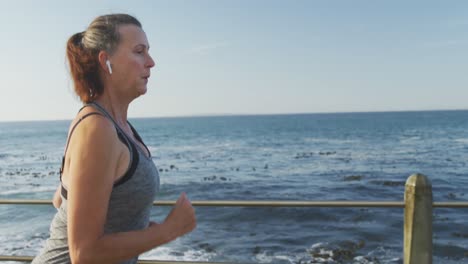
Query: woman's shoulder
[[90, 125]]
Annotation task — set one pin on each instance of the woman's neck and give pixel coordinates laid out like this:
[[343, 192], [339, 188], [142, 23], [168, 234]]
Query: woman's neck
[[116, 108]]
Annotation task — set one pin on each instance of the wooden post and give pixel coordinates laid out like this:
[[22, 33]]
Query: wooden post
[[418, 220]]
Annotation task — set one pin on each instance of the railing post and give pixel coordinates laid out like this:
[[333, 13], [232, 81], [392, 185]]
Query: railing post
[[418, 220]]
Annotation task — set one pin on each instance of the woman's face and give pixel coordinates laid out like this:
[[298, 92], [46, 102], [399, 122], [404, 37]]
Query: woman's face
[[131, 62]]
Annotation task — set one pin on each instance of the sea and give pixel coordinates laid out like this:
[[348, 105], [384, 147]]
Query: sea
[[292, 157]]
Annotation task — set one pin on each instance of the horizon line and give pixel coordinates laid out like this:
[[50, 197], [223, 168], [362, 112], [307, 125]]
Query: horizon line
[[250, 114]]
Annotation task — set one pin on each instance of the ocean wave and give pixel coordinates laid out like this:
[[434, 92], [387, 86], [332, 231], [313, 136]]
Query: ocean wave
[[327, 253], [174, 253], [331, 141], [461, 140], [4, 155], [28, 190]]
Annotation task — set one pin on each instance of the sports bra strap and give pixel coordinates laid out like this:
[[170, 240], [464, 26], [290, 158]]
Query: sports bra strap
[[127, 138], [104, 111], [76, 124], [69, 136], [122, 136], [137, 136]]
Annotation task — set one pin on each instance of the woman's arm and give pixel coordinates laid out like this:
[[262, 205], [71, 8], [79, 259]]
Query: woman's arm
[[94, 152]]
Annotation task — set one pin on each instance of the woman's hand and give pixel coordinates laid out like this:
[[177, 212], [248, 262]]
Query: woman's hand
[[57, 200], [181, 220]]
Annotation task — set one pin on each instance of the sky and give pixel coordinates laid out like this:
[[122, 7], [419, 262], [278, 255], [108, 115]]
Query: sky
[[216, 57]]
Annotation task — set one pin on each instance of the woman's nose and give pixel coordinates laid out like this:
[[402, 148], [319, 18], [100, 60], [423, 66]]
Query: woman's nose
[[150, 63]]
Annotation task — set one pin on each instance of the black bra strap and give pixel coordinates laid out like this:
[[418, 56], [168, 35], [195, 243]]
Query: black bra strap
[[76, 124], [122, 136], [104, 111], [137, 136], [70, 135], [127, 138]]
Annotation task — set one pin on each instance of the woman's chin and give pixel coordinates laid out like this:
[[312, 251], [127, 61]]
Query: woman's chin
[[142, 90]]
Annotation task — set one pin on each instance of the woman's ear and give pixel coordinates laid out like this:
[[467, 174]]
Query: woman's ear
[[104, 62]]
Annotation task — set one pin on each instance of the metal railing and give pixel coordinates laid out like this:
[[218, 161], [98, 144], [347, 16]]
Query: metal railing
[[418, 206], [29, 259], [257, 203]]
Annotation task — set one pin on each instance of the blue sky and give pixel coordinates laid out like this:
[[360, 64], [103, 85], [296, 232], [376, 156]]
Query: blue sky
[[249, 57]]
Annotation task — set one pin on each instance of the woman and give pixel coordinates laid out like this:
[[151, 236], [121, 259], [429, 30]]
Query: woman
[[108, 179]]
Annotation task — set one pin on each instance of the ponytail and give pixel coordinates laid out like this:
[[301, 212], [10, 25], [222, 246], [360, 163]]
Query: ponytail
[[84, 67]]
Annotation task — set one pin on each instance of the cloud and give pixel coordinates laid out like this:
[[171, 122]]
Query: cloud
[[460, 22], [445, 43], [207, 48], [452, 30]]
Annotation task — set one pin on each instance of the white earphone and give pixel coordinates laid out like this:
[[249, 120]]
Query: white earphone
[[109, 66]]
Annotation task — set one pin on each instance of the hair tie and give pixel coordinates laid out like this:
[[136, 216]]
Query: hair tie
[[80, 39]]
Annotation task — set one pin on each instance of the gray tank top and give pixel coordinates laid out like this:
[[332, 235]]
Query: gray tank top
[[130, 202]]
